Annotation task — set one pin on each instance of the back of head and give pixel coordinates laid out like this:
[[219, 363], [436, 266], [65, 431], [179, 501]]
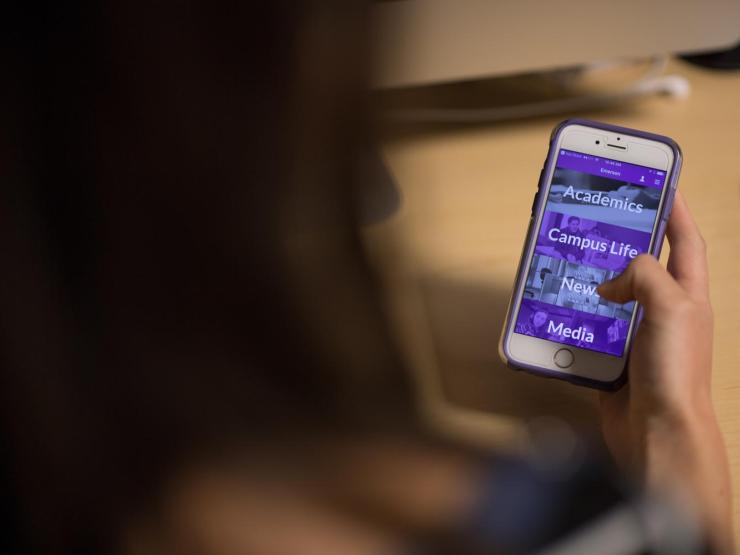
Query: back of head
[[182, 269]]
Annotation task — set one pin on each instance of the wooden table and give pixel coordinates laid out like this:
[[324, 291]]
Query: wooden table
[[449, 256]]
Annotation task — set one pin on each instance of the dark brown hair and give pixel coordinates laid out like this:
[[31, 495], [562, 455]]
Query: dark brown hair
[[181, 265]]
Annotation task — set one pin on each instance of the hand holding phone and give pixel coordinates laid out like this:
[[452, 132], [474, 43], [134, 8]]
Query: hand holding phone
[[662, 424], [604, 197]]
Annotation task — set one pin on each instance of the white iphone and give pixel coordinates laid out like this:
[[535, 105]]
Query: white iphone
[[605, 194]]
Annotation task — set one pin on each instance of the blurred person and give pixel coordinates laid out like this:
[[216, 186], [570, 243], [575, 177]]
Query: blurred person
[[588, 328], [572, 252], [194, 357], [544, 272], [534, 324], [616, 331], [594, 257]]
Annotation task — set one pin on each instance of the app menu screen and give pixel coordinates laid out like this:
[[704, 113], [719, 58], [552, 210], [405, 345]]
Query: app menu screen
[[599, 215]]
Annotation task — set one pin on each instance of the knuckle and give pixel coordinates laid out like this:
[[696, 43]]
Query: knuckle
[[642, 263], [698, 310], [701, 243], [640, 268]]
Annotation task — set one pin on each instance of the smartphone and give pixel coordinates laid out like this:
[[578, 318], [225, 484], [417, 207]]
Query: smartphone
[[604, 197]]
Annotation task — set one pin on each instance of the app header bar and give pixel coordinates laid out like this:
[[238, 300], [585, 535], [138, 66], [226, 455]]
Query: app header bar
[[613, 169]]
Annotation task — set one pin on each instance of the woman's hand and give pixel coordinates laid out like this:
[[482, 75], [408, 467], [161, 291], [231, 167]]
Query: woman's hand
[[662, 424]]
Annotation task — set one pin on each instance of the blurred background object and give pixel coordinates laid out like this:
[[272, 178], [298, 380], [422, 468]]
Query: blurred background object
[[422, 42], [537, 58], [717, 59]]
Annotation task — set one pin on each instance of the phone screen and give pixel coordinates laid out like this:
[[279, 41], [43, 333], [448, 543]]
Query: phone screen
[[600, 214]]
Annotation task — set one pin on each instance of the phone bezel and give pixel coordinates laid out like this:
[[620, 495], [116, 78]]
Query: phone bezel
[[534, 353]]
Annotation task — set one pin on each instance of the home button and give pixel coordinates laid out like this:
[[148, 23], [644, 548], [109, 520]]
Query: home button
[[563, 358]]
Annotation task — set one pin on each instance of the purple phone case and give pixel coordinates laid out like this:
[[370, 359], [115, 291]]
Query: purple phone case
[[655, 251]]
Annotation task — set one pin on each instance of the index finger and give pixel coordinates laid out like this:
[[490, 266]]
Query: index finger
[[688, 259]]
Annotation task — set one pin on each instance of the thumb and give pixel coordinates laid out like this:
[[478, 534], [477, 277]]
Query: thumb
[[645, 281]]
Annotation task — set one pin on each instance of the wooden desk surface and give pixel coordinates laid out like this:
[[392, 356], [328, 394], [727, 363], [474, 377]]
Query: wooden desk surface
[[450, 254]]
